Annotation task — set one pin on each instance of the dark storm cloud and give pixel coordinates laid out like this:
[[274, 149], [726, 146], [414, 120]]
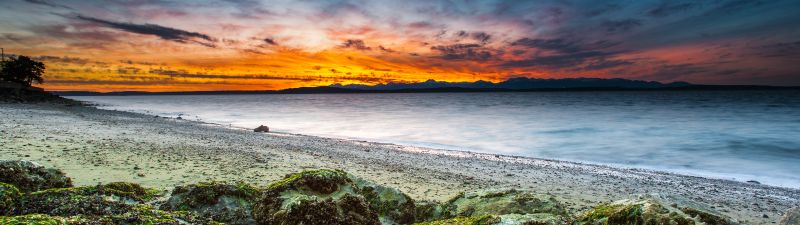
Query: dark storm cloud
[[473, 52], [163, 32], [355, 44], [562, 61], [614, 26]]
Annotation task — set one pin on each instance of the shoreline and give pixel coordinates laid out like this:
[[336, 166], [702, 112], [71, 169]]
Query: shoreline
[[677, 172], [170, 151]]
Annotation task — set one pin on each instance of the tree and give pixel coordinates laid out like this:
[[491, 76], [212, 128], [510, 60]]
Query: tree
[[23, 70]]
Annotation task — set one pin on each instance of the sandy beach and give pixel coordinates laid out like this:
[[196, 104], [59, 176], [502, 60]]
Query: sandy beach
[[100, 146]]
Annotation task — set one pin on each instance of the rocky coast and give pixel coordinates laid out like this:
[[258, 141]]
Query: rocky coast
[[141, 167]]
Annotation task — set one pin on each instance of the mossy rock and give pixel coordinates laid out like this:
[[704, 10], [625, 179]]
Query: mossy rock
[[29, 177], [392, 205], [110, 199], [502, 203], [314, 197], [227, 203], [139, 214], [9, 198], [650, 211], [39, 219], [791, 217], [429, 211], [461, 220]]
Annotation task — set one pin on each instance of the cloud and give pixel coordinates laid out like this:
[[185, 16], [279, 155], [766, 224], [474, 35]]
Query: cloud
[[566, 54], [613, 26], [64, 59], [666, 9], [559, 45], [481, 37], [163, 32], [355, 44], [47, 3], [463, 52], [270, 41]]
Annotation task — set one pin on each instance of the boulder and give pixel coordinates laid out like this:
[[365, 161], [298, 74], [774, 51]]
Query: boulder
[[510, 206], [141, 214], [392, 205], [9, 197], [791, 217], [29, 177], [261, 128], [227, 203], [649, 210], [508, 219], [314, 197], [110, 199]]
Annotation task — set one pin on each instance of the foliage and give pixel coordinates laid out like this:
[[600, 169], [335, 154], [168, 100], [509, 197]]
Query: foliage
[[23, 70]]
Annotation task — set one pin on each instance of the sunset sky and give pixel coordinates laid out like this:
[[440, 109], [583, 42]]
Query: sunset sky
[[162, 45]]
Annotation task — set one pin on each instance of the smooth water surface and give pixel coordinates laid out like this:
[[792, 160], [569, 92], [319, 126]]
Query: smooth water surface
[[740, 135]]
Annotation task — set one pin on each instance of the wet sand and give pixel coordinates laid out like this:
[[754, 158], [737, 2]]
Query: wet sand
[[99, 146]]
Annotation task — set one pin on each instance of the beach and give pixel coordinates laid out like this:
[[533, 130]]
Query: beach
[[99, 146]]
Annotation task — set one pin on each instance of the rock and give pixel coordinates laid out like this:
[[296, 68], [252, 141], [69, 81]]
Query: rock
[[110, 199], [513, 206], [791, 217], [474, 220], [227, 203], [314, 197], [29, 177], [261, 128], [649, 210], [141, 214], [753, 182], [392, 205], [429, 210], [9, 197]]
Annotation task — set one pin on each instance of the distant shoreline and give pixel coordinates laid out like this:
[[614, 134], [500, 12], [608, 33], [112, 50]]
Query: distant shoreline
[[338, 90]]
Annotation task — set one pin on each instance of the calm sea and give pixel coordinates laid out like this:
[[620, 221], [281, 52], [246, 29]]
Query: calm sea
[[741, 135]]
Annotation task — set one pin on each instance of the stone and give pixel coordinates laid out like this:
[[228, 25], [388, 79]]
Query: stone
[[791, 217], [392, 205], [261, 128], [511, 206], [226, 203], [29, 176], [9, 198], [651, 210], [314, 197], [109, 199]]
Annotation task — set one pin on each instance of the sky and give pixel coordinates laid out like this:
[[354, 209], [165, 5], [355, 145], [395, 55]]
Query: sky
[[163, 45]]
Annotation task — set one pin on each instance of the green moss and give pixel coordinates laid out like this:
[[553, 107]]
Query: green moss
[[29, 177], [39, 219], [503, 202], [634, 212], [323, 180], [705, 217], [113, 198], [473, 220], [314, 197], [224, 202], [9, 198]]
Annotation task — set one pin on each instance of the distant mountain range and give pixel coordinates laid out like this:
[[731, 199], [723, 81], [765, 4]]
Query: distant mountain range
[[510, 85], [522, 83]]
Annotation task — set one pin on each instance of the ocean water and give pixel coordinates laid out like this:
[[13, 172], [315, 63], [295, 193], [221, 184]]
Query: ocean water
[[739, 135]]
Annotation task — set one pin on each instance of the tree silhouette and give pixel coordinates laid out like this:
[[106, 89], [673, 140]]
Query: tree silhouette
[[22, 70]]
